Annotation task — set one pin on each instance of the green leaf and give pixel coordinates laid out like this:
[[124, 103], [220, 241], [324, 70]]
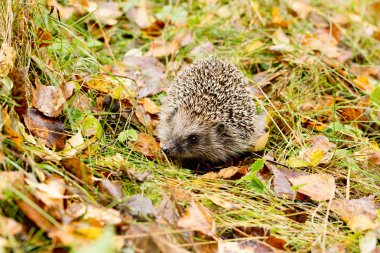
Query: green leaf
[[91, 127], [375, 95], [128, 135], [254, 183]]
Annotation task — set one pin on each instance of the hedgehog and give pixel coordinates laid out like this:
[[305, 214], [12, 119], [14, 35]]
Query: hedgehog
[[209, 114]]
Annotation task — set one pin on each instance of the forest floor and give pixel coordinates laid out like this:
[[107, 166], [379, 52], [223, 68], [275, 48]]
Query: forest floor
[[81, 88]]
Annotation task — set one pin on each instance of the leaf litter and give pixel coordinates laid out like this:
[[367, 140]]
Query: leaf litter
[[80, 168]]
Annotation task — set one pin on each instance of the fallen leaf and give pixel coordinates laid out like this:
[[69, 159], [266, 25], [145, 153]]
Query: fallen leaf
[[281, 41], [244, 246], [149, 106], [146, 145], [116, 87], [368, 243], [319, 152], [106, 12], [78, 169], [297, 216], [199, 218], [143, 117], [148, 72], [202, 49], [90, 212], [139, 176], [141, 207], [261, 142], [9, 129], [160, 48], [167, 211], [128, 135], [69, 88], [80, 102], [228, 172], [73, 144], [363, 83], [359, 214], [228, 205], [300, 7], [9, 227], [277, 19], [19, 77], [7, 58], [49, 131], [44, 37], [91, 127], [140, 16], [48, 99], [281, 183], [318, 187], [276, 242], [112, 188]]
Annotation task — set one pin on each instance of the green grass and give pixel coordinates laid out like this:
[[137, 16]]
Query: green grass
[[76, 52]]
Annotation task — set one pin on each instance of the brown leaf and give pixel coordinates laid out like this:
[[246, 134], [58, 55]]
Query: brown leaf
[[117, 88], [9, 227], [202, 49], [140, 16], [161, 48], [143, 117], [276, 242], [167, 211], [106, 12], [300, 217], [226, 204], [149, 106], [34, 214], [112, 188], [48, 99], [281, 183], [300, 7], [141, 207], [90, 212], [147, 145], [8, 130], [44, 37], [19, 77], [50, 131], [149, 74], [228, 172], [363, 83], [246, 246], [78, 169], [69, 88], [7, 58], [318, 187], [199, 218], [81, 102], [359, 214]]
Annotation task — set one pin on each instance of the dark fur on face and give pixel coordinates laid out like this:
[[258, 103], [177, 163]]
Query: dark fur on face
[[208, 114]]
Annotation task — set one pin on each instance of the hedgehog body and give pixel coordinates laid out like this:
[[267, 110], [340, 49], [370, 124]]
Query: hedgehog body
[[208, 113]]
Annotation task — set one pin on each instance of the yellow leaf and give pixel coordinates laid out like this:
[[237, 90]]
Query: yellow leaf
[[295, 162], [316, 157], [261, 142]]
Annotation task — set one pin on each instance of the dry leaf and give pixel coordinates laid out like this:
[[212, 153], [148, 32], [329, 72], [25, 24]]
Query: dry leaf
[[281, 184], [202, 49], [106, 12], [228, 205], [318, 187], [9, 227], [78, 169], [359, 214], [161, 48], [149, 74], [9, 131], [149, 106], [44, 37], [69, 88], [89, 212], [7, 59], [363, 83], [48, 99], [141, 207], [49, 131], [300, 7], [112, 188], [147, 145], [139, 15], [117, 88], [245, 246], [261, 142], [198, 218]]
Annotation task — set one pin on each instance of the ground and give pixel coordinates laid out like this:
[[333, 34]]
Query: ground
[[81, 87]]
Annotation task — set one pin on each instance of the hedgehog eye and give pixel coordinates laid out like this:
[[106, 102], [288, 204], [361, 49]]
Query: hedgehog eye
[[193, 139]]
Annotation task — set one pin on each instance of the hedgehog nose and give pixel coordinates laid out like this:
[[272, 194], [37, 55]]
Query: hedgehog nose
[[165, 149]]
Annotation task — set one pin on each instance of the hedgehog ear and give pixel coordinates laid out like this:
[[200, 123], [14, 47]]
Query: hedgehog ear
[[220, 128]]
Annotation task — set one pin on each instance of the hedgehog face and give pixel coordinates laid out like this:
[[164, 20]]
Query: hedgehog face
[[185, 136]]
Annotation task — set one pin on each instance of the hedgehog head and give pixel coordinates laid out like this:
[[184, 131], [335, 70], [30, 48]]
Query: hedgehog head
[[185, 135]]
